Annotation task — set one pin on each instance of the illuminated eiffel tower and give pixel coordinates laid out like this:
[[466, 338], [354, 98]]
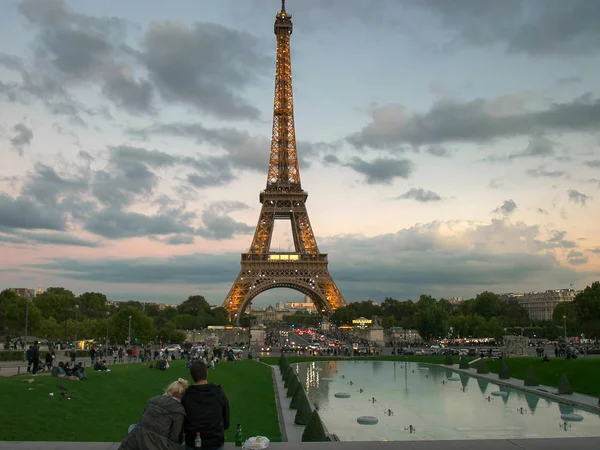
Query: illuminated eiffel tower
[[304, 269]]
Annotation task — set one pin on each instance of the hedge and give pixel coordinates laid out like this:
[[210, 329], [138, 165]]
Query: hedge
[[297, 397], [314, 431], [504, 373], [293, 383], [531, 378], [304, 411], [12, 355], [482, 367]]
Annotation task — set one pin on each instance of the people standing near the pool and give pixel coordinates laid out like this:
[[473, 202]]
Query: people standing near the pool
[[161, 424], [207, 410], [35, 357]]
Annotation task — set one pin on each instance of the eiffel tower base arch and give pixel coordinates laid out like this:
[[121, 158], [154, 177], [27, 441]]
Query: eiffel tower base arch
[[309, 277]]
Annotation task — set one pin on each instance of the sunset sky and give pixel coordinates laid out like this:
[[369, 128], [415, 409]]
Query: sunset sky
[[448, 147]]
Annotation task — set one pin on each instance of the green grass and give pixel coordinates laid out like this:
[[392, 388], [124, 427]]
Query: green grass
[[104, 406], [582, 373]]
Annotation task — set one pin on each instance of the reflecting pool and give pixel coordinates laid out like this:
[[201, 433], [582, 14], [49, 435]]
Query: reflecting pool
[[414, 401]]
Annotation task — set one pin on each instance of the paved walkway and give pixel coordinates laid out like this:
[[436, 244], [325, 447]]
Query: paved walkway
[[550, 392]]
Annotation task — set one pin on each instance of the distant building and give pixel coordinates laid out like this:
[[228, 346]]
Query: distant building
[[540, 305], [23, 292], [455, 301]]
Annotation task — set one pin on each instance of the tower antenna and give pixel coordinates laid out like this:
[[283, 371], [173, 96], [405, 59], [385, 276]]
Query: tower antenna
[[282, 5]]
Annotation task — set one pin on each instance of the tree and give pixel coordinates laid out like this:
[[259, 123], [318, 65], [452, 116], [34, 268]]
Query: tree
[[587, 307], [56, 302], [14, 314], [142, 327], [487, 305], [92, 304], [195, 305]]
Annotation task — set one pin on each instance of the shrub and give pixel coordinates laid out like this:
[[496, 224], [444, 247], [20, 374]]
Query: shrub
[[287, 375], [314, 431], [284, 366], [12, 355], [564, 387], [297, 397], [304, 411], [531, 378], [504, 372], [448, 361], [292, 385], [463, 363], [482, 367]]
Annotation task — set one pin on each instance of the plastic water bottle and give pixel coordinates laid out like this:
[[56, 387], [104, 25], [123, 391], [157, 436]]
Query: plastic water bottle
[[238, 436], [198, 441]]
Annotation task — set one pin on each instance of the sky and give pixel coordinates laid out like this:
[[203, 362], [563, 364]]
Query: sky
[[447, 147]]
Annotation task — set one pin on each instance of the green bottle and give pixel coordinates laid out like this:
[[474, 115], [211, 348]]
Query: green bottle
[[238, 436]]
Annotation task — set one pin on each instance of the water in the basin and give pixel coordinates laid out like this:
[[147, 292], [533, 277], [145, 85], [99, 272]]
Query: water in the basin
[[438, 403]]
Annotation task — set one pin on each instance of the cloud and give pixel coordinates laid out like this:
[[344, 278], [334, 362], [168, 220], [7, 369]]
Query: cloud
[[420, 195], [507, 208], [577, 197], [478, 120], [443, 258], [538, 146], [51, 238], [577, 258], [22, 137], [593, 163], [541, 29], [218, 225], [540, 172], [380, 170], [205, 65]]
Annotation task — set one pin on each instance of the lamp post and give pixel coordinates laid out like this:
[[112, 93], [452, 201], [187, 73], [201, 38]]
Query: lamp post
[[76, 318], [106, 344], [26, 319], [565, 326], [193, 336], [129, 334]]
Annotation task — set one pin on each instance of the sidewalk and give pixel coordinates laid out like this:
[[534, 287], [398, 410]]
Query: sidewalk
[[586, 401]]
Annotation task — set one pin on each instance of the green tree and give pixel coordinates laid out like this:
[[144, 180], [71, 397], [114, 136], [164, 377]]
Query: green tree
[[142, 327], [587, 307], [196, 305], [92, 304], [56, 302]]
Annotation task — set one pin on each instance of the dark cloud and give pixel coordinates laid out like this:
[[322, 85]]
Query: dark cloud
[[180, 239], [420, 195], [578, 197], [218, 225], [595, 250], [557, 239], [24, 213], [506, 208], [577, 258], [22, 137], [204, 65], [475, 121], [540, 172], [437, 150], [569, 80], [544, 28], [423, 258], [593, 163], [538, 146], [56, 238], [381, 170]]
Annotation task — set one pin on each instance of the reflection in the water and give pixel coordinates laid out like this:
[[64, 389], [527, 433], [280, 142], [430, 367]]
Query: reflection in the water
[[400, 394]]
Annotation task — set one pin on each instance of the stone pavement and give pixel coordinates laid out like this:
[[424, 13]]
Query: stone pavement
[[500, 444], [586, 401]]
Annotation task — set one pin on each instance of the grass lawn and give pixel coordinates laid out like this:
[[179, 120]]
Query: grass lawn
[[582, 373], [104, 406]]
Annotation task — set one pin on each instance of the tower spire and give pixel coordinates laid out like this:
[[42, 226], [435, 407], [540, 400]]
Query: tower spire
[[283, 174]]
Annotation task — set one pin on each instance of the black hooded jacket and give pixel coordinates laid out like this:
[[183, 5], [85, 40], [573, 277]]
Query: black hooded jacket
[[207, 412], [159, 428]]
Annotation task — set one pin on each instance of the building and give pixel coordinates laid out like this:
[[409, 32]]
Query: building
[[540, 305], [455, 301], [23, 292]]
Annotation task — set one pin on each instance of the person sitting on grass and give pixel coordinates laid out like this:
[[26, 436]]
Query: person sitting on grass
[[63, 374], [79, 372], [207, 410], [100, 366], [161, 424]]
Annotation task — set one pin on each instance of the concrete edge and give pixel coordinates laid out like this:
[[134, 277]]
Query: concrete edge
[[280, 419]]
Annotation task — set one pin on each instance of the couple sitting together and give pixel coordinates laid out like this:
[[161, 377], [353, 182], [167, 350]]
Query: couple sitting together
[[183, 412]]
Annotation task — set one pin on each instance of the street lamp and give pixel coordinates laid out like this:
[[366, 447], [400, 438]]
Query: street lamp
[[565, 326], [76, 311], [129, 334], [106, 344], [193, 336], [26, 319]]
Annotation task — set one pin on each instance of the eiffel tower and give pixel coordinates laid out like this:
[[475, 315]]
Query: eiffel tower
[[305, 269]]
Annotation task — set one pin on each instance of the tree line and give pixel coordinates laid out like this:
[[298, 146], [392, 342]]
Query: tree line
[[57, 315]]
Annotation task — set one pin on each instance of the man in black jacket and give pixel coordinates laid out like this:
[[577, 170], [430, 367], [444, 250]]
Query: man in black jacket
[[207, 410]]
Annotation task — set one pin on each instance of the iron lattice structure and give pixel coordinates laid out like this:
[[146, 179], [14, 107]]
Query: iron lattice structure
[[305, 269]]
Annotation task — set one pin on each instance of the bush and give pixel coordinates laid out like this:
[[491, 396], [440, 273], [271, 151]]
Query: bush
[[448, 361], [12, 355], [531, 378], [287, 375], [482, 367], [297, 397], [304, 411], [292, 385], [504, 372], [314, 431], [564, 387], [463, 363]]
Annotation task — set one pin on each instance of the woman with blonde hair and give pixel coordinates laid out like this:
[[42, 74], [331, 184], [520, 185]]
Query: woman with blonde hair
[[161, 424]]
